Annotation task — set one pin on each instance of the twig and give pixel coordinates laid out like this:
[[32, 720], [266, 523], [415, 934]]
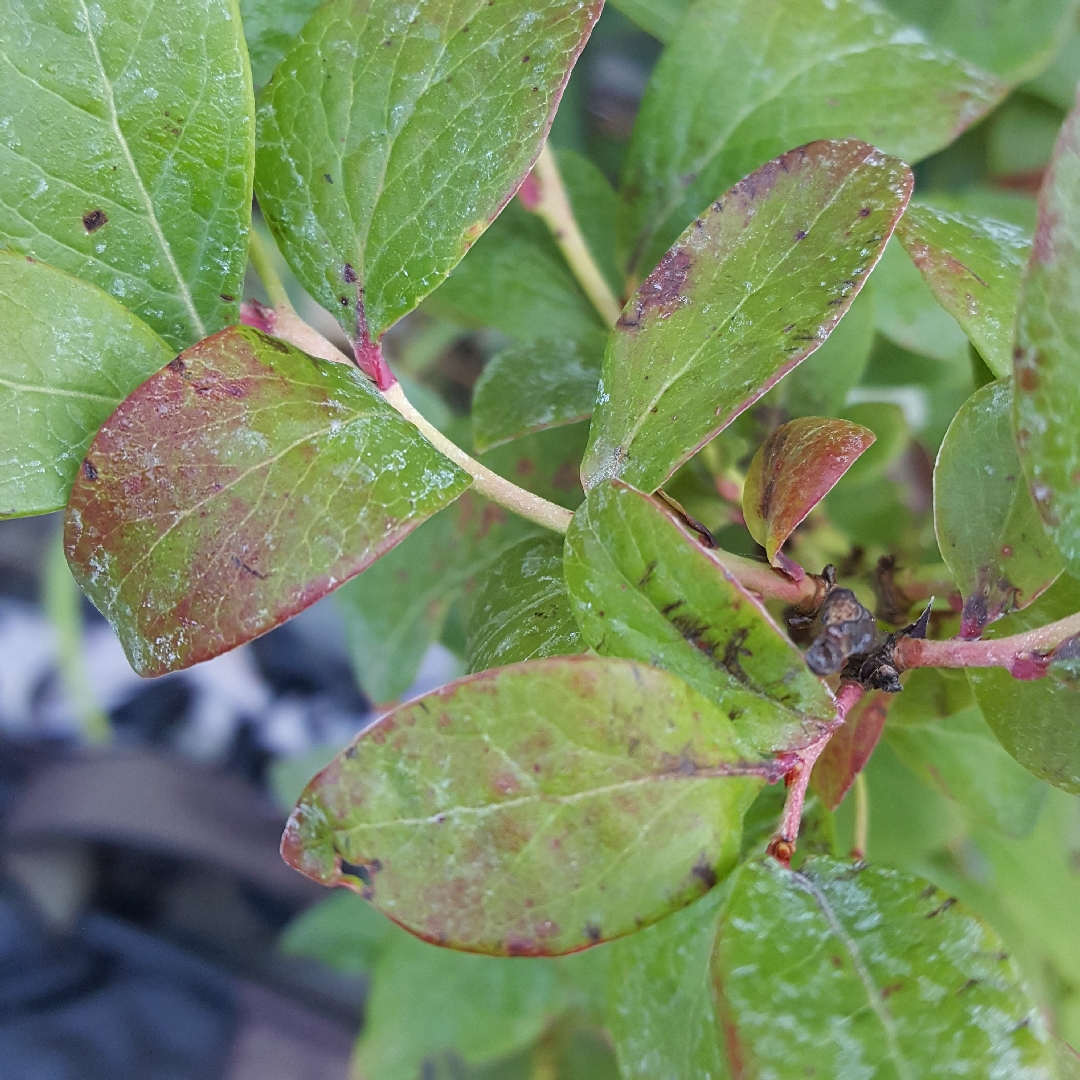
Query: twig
[[490, 484], [782, 845], [1025, 656], [544, 194], [262, 259], [862, 818], [805, 595]]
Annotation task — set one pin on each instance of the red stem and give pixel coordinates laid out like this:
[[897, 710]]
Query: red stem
[[1025, 656], [782, 845]]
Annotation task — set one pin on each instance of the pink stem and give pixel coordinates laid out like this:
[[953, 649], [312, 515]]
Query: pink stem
[[782, 845], [1025, 656]]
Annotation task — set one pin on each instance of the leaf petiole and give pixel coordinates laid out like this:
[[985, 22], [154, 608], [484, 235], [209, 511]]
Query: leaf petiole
[[262, 259], [543, 194]]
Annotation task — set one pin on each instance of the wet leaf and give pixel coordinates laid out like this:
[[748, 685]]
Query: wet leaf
[[820, 385], [696, 346], [1012, 38], [521, 610], [127, 152], [874, 972], [849, 749], [749, 80], [270, 28], [1046, 412], [642, 585], [60, 378], [662, 1018], [909, 314], [535, 385], [988, 528], [390, 139], [793, 470], [236, 487], [1037, 722], [399, 606], [959, 756], [973, 267], [515, 280], [535, 809]]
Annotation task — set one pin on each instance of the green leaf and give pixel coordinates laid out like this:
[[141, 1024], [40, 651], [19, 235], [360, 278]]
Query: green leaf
[[959, 756], [521, 610], [342, 931], [743, 81], [891, 438], [535, 809], [750, 289], [662, 1018], [1046, 410], [515, 280], [390, 140], [848, 751], [909, 314], [1012, 38], [1020, 141], [535, 385], [793, 470], [987, 526], [657, 17], [820, 385], [875, 973], [399, 606], [1056, 85], [239, 485], [973, 267], [270, 27], [127, 152], [1037, 722], [70, 355], [425, 1000], [642, 586]]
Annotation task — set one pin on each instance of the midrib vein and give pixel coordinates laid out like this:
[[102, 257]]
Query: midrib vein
[[873, 991], [148, 204], [702, 775]]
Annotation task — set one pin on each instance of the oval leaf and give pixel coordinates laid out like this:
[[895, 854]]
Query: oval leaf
[[128, 149], [236, 487], [973, 267], [70, 355], [642, 586], [793, 470], [697, 344], [535, 809], [748, 79], [988, 529], [521, 610], [390, 138], [1037, 722], [876, 973], [533, 386], [1046, 413]]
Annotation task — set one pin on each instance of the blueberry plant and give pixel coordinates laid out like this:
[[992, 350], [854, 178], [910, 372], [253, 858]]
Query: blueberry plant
[[691, 543]]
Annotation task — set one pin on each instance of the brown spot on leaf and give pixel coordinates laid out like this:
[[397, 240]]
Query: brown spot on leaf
[[704, 872], [88, 469], [943, 906], [592, 932], [888, 991], [93, 220], [662, 289], [349, 274]]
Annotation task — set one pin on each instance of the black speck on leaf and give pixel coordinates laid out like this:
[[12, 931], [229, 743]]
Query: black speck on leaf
[[88, 469], [328, 178]]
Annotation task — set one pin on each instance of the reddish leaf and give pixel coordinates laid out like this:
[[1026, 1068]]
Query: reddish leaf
[[849, 749], [533, 809], [238, 485], [793, 470]]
